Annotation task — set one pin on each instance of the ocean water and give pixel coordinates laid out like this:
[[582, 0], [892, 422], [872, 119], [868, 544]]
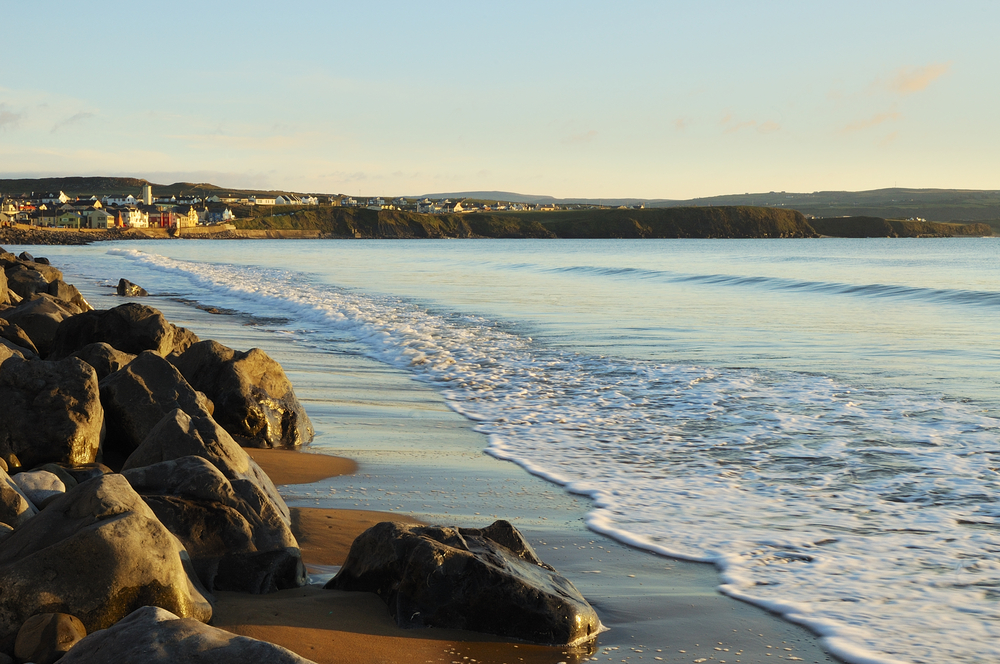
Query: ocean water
[[818, 418]]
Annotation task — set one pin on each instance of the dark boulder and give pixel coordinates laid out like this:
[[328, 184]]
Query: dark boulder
[[26, 282], [97, 552], [15, 508], [131, 328], [126, 288], [40, 317], [105, 358], [46, 637], [151, 635], [254, 399], [52, 413], [16, 335], [179, 435], [137, 397], [60, 290], [25, 256], [484, 580], [235, 536]]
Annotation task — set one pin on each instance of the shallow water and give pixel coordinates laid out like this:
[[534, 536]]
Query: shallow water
[[816, 417]]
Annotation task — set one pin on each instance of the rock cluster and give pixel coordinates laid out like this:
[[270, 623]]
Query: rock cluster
[[118, 488]]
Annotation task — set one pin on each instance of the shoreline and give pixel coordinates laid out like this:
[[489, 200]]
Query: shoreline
[[415, 456]]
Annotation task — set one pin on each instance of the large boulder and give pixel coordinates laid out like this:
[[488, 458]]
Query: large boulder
[[26, 282], [4, 292], [254, 399], [15, 508], [151, 635], [52, 413], [484, 580], [16, 335], [68, 293], [105, 358], [235, 536], [137, 397], [179, 435], [131, 328], [97, 552], [40, 317]]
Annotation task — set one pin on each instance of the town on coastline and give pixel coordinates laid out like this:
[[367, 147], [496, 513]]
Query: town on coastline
[[58, 210]]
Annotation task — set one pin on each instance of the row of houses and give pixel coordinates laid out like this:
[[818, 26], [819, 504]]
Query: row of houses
[[59, 211]]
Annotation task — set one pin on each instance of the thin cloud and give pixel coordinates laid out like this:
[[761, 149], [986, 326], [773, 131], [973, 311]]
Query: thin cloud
[[73, 119], [873, 121], [908, 80], [768, 127], [681, 124], [8, 118], [585, 137], [889, 140]]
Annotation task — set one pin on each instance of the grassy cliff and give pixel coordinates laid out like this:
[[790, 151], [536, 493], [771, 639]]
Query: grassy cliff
[[689, 222], [878, 227], [363, 223]]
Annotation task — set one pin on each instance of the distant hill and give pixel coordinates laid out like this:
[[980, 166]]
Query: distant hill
[[101, 185]]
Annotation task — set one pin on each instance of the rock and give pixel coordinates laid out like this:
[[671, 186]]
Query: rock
[[39, 485], [137, 397], [9, 350], [46, 637], [152, 635], [25, 281], [52, 413], [179, 435], [83, 472], [25, 256], [4, 292], [16, 335], [15, 508], [105, 358], [254, 399], [127, 289], [67, 478], [131, 328], [484, 580], [235, 536], [41, 260], [97, 552], [68, 293], [40, 317]]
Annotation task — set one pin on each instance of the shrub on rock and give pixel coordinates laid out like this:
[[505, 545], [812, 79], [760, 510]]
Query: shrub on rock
[[254, 399], [131, 328], [97, 552], [484, 580], [235, 536], [152, 635], [52, 413]]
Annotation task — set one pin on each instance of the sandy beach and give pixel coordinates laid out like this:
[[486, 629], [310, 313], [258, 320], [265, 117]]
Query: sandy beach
[[389, 448]]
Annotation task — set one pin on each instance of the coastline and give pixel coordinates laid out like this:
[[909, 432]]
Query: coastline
[[417, 458]]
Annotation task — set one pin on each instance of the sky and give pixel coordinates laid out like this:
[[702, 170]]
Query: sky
[[655, 100]]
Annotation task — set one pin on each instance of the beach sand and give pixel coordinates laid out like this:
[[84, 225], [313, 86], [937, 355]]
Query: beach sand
[[417, 459]]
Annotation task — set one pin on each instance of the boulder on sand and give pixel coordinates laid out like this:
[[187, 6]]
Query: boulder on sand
[[97, 552], [52, 413], [151, 635], [254, 399], [126, 288], [235, 536], [179, 435], [131, 328], [137, 397], [484, 580]]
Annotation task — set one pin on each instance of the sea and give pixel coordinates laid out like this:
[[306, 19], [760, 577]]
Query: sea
[[818, 418]]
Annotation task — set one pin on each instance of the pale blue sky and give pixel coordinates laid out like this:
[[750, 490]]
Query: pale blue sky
[[584, 99]]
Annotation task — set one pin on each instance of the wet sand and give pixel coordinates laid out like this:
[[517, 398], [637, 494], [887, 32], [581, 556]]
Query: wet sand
[[419, 460]]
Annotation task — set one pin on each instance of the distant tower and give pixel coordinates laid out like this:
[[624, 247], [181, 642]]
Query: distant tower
[[147, 194]]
